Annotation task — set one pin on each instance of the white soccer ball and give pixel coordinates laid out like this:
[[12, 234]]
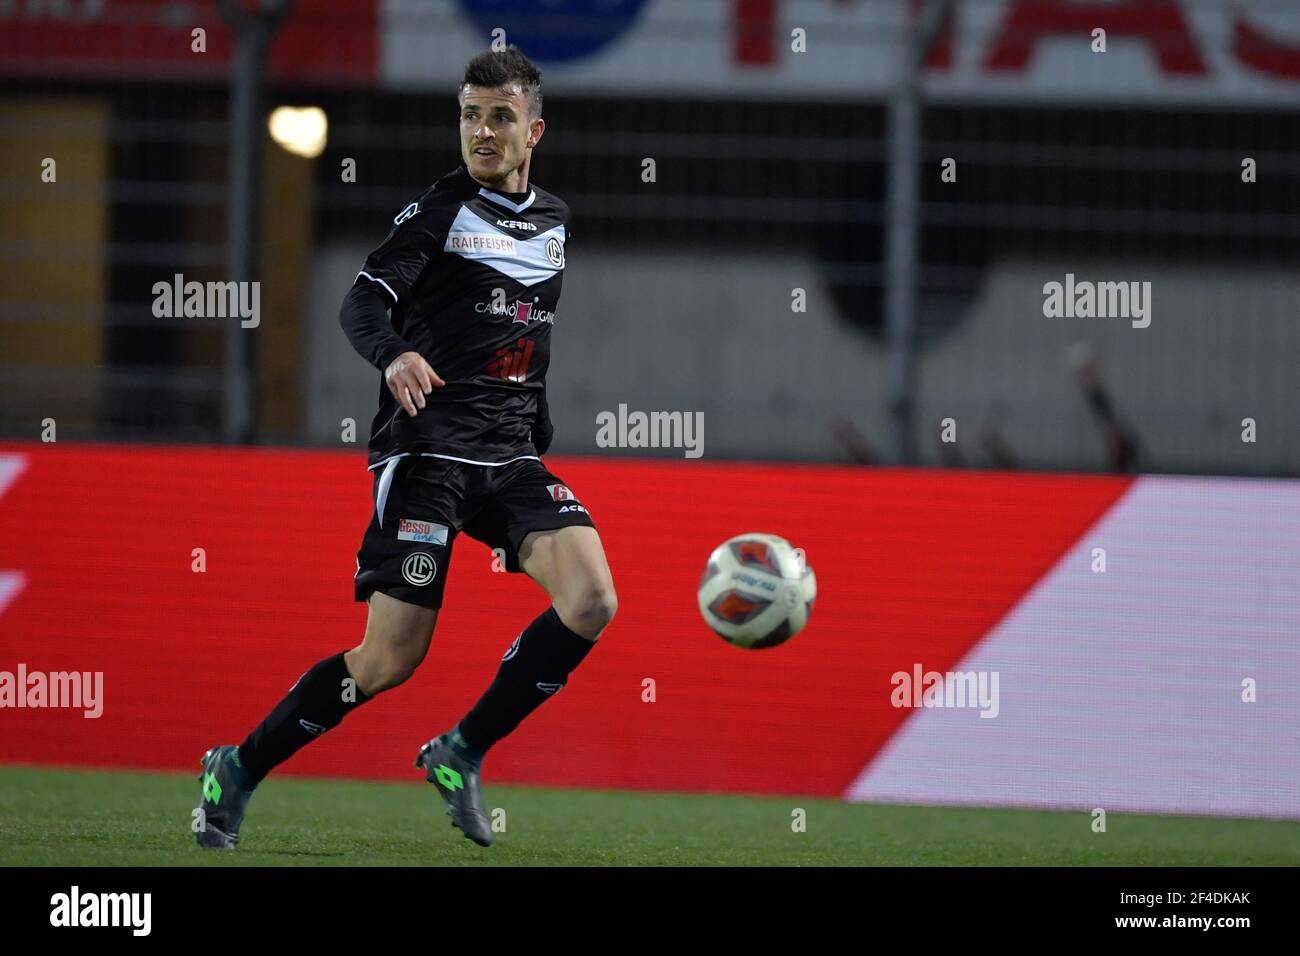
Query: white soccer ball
[[757, 591]]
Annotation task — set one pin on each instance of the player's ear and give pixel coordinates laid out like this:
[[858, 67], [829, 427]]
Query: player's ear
[[535, 130]]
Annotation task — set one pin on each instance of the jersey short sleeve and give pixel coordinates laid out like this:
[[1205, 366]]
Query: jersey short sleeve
[[417, 236]]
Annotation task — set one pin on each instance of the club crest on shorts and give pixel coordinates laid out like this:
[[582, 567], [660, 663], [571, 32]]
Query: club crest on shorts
[[417, 529], [419, 569], [561, 493]]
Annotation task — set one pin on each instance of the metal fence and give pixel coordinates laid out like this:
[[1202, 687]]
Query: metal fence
[[1040, 190]]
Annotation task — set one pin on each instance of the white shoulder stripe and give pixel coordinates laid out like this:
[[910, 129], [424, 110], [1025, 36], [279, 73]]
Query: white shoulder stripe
[[380, 281], [527, 261]]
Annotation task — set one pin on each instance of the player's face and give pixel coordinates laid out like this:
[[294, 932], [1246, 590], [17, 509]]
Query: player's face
[[496, 135]]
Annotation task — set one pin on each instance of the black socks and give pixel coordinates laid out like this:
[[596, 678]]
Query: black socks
[[535, 667], [318, 702]]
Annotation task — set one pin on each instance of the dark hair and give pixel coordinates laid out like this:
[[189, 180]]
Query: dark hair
[[495, 69]]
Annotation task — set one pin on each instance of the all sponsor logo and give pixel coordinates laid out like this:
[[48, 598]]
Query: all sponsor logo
[[511, 364], [517, 224]]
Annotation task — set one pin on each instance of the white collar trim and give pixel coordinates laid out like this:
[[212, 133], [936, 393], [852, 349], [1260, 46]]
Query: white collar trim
[[498, 198]]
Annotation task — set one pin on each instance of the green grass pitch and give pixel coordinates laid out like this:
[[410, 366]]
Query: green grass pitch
[[81, 818]]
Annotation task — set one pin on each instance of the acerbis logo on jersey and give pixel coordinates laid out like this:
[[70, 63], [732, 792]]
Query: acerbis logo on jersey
[[573, 507], [406, 213], [427, 532], [517, 224], [561, 493], [419, 569]]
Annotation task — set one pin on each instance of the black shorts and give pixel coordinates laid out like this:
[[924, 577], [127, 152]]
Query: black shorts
[[422, 503]]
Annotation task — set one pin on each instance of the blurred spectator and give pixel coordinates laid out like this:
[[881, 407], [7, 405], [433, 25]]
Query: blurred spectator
[[994, 442], [853, 441], [1121, 442]]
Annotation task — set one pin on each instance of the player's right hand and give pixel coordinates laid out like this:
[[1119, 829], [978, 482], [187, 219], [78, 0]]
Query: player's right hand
[[410, 378]]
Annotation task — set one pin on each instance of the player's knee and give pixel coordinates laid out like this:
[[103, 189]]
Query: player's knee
[[388, 672], [607, 605], [377, 670], [397, 639], [590, 611]]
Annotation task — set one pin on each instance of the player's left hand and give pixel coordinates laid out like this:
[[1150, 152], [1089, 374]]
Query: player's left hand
[[409, 379]]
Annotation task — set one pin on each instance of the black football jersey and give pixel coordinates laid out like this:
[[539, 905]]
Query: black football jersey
[[474, 278]]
